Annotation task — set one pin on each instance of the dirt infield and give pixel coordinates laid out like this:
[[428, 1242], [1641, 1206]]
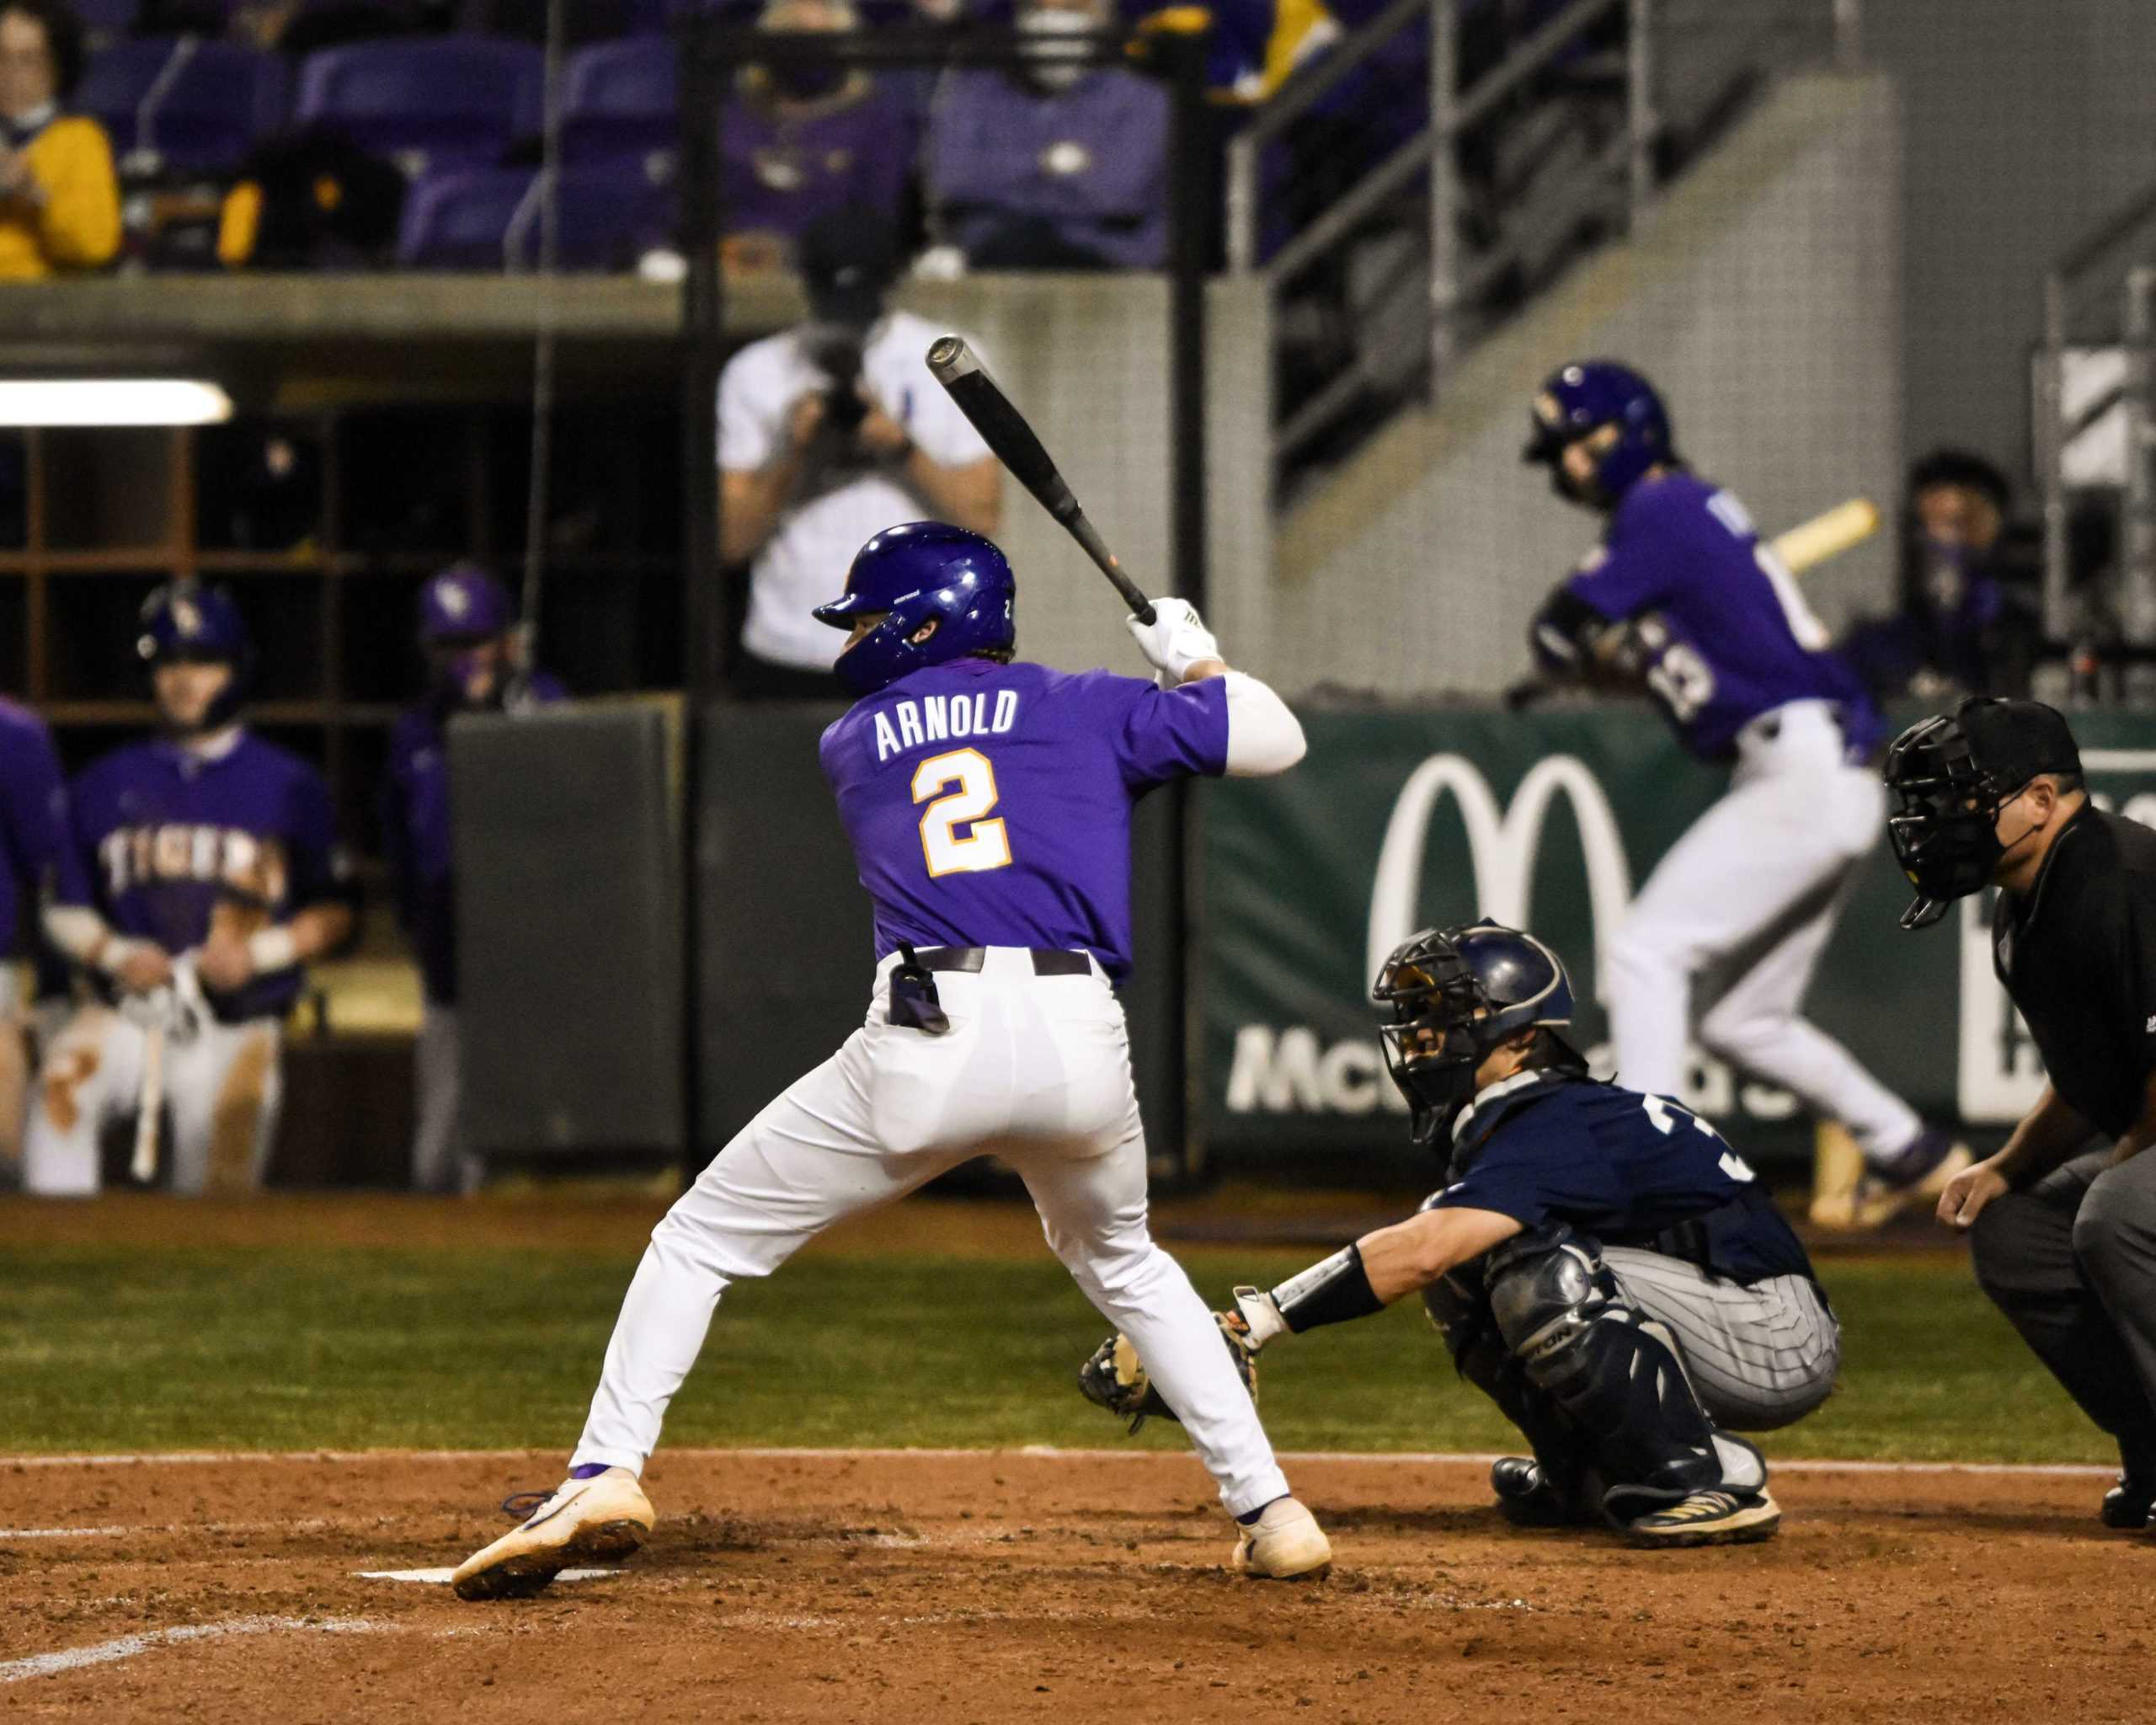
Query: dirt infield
[[995, 1586]]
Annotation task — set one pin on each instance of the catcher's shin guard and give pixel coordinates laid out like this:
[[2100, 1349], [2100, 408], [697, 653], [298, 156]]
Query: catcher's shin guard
[[1460, 1310], [1616, 1377]]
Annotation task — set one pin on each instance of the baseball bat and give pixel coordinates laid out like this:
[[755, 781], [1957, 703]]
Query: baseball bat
[[1004, 430], [143, 1169], [1804, 546]]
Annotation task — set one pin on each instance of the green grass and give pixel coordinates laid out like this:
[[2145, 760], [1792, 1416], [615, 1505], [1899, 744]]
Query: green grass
[[170, 1349]]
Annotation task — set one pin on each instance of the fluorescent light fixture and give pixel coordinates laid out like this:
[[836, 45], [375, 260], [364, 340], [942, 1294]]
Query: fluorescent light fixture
[[112, 401]]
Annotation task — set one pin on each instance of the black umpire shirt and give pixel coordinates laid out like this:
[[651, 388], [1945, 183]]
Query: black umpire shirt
[[2078, 953]]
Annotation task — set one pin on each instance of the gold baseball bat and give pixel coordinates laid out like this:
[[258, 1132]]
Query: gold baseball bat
[[1842, 528]]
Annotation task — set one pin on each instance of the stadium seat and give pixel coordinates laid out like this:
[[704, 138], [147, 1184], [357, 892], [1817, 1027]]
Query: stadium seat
[[619, 100], [488, 219], [429, 104], [182, 102]]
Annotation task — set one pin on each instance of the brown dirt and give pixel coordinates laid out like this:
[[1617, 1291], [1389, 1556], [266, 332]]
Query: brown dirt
[[992, 1586]]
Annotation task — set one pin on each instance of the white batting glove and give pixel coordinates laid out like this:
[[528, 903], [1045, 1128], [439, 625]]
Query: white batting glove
[[1174, 641], [1260, 1315]]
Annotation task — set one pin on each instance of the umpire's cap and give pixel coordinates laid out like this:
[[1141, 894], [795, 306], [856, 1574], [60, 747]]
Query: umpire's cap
[[2012, 741]]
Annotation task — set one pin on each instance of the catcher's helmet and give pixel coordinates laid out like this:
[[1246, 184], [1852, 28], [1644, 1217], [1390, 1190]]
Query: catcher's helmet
[[1454, 994], [464, 603], [186, 623], [922, 572], [1577, 401], [1951, 775]]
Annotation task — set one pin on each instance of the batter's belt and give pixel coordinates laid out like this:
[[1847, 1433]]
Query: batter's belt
[[1048, 961]]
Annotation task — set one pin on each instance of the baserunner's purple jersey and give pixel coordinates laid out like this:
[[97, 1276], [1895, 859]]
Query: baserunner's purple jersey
[[1731, 636], [33, 818], [989, 804], [171, 839]]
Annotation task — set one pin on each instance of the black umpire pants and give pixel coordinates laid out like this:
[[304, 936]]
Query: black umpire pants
[[2072, 1263]]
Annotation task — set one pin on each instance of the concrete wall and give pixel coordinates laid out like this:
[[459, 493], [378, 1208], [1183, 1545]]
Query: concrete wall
[[2023, 124], [1762, 296]]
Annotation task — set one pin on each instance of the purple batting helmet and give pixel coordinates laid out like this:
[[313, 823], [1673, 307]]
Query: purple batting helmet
[[464, 603]]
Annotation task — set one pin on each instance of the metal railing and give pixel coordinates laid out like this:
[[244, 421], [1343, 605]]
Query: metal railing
[[2100, 301], [1670, 49]]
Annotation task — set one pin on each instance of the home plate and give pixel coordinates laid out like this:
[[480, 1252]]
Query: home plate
[[440, 1577]]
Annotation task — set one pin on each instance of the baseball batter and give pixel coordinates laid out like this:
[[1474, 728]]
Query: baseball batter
[[467, 630], [33, 840], [988, 802], [205, 872], [1727, 933], [1601, 1263]]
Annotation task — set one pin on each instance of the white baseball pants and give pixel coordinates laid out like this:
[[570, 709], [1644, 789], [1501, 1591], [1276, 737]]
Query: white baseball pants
[[1036, 1068], [223, 1087], [1727, 932], [440, 1161]]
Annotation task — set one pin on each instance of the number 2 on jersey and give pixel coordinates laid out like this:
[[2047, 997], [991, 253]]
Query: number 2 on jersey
[[988, 846]]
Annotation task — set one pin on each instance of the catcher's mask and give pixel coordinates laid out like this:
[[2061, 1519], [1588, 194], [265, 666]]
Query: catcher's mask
[[1454, 994], [1951, 776]]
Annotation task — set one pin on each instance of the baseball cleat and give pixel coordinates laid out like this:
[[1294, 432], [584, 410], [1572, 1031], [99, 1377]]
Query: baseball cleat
[[1284, 1544], [599, 1518], [2127, 1503], [1918, 1173], [1527, 1496], [1710, 1518]]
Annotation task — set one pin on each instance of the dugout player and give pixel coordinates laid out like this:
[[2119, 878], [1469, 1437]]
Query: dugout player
[[33, 840], [2063, 1234], [988, 802], [205, 872], [1600, 1263], [1724, 938], [467, 630]]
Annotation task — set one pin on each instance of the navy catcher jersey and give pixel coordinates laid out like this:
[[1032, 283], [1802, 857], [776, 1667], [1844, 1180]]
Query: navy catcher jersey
[[1627, 1169], [1726, 633], [172, 838]]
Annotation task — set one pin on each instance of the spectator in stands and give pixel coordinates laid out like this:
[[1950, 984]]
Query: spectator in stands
[[805, 137], [829, 432], [1961, 625], [59, 199], [467, 630], [1059, 165]]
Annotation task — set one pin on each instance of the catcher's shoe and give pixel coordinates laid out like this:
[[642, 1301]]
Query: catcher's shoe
[[1710, 1518], [604, 1517], [1920, 1172], [1528, 1496], [1284, 1544]]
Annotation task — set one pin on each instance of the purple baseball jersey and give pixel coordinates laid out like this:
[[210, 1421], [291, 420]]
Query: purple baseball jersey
[[416, 837], [1728, 635], [167, 836], [33, 846], [989, 804]]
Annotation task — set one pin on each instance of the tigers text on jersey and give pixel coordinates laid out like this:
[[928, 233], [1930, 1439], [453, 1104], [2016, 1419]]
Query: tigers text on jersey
[[1546, 1148], [1727, 633], [167, 835], [33, 818], [989, 804]]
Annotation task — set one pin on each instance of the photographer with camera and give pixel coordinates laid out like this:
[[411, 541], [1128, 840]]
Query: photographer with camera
[[829, 432]]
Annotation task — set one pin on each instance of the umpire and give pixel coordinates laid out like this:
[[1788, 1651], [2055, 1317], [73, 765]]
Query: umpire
[[2064, 1234]]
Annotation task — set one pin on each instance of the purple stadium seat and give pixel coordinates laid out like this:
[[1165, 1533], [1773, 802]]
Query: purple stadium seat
[[430, 104], [459, 220], [184, 102], [619, 100], [489, 218]]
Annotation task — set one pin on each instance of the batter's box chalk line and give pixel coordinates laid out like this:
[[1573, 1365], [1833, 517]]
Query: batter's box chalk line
[[107, 1652], [440, 1577]]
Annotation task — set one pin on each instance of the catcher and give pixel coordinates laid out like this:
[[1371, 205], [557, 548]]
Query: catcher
[[1600, 1263]]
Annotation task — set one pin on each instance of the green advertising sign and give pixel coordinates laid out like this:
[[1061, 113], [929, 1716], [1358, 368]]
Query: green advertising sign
[[1400, 820]]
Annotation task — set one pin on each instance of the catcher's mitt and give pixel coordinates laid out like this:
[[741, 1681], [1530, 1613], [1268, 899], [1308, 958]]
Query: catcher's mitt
[[1116, 1379]]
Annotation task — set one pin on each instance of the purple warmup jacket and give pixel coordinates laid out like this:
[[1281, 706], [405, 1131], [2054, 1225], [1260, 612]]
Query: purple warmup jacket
[[783, 172], [1090, 160]]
